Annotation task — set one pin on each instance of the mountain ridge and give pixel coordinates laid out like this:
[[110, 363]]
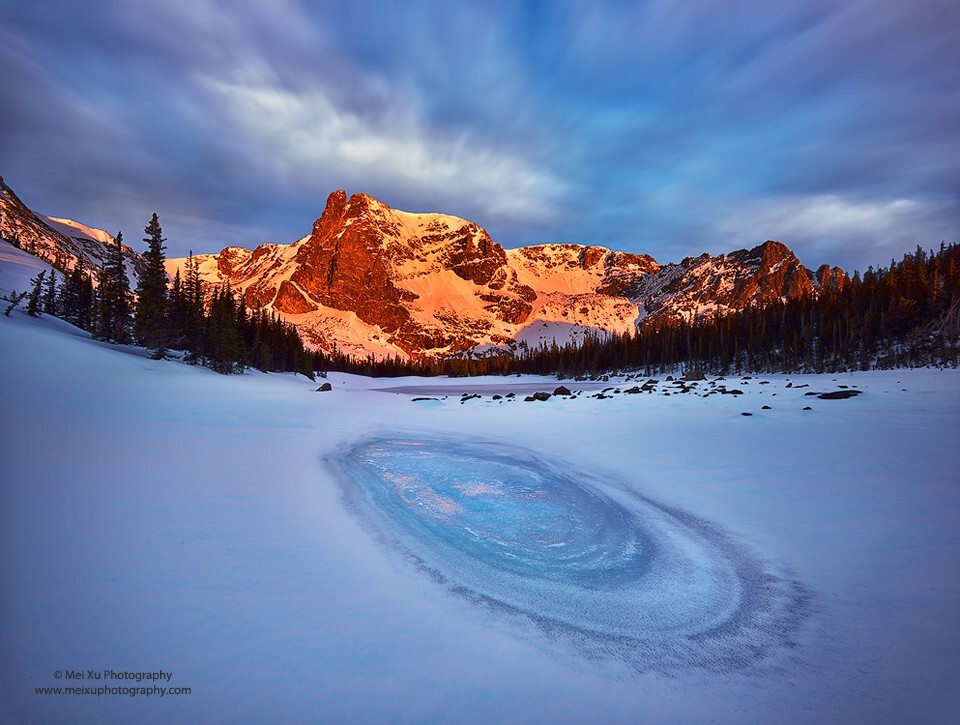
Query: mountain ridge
[[373, 280]]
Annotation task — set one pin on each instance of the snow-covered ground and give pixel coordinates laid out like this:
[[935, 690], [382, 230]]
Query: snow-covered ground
[[355, 556]]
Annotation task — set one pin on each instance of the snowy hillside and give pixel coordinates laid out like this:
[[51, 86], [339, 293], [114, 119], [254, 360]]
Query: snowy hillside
[[360, 555], [62, 243]]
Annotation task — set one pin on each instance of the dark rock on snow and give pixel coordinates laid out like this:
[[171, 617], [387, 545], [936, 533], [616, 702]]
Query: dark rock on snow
[[839, 394]]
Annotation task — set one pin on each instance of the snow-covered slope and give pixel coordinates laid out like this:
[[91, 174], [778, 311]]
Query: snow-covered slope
[[62, 243], [159, 517]]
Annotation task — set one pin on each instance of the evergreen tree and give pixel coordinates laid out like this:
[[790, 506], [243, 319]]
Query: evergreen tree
[[33, 301], [114, 293], [14, 298], [151, 325], [193, 310], [71, 302], [86, 302], [50, 294]]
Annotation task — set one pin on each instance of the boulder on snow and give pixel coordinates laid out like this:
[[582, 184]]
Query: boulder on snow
[[839, 394], [691, 375], [562, 390], [541, 396], [325, 388]]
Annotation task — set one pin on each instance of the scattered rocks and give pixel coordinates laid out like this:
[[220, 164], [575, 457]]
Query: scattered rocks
[[326, 387], [537, 396], [632, 391], [464, 398]]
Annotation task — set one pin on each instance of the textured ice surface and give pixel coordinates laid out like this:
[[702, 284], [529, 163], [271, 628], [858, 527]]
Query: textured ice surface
[[593, 564]]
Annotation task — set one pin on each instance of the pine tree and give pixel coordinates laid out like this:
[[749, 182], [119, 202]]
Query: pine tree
[[151, 325], [114, 307], [50, 294], [86, 303], [192, 316], [33, 302]]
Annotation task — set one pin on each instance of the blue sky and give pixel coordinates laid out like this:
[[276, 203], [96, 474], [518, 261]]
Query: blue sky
[[664, 127]]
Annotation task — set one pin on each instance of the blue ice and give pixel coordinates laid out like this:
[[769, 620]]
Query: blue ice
[[567, 551]]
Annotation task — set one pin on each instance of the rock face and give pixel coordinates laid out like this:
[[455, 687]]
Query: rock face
[[730, 282], [371, 280]]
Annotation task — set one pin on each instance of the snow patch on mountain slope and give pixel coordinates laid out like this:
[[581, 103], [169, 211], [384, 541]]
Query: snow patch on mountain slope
[[74, 229]]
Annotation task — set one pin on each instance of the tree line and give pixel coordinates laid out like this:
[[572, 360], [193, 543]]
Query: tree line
[[904, 315], [213, 327], [907, 314]]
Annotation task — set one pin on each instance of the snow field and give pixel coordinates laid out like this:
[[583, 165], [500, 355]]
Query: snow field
[[157, 516]]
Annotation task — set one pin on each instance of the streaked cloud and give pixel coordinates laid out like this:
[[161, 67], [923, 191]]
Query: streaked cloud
[[303, 135], [656, 126], [842, 231]]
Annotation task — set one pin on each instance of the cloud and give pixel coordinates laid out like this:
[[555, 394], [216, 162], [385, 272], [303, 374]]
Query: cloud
[[851, 233], [302, 134], [659, 126]]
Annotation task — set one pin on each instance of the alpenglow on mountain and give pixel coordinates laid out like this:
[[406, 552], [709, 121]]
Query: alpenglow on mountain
[[370, 279]]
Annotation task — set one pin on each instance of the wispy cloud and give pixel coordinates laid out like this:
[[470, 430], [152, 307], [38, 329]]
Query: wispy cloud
[[662, 127], [837, 230], [302, 134]]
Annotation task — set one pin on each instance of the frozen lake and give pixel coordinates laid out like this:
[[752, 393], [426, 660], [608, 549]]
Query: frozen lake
[[607, 570]]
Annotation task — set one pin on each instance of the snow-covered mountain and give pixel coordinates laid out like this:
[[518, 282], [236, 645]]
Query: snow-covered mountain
[[62, 243], [370, 279]]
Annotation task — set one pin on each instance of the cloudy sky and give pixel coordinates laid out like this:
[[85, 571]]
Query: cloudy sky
[[664, 127]]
